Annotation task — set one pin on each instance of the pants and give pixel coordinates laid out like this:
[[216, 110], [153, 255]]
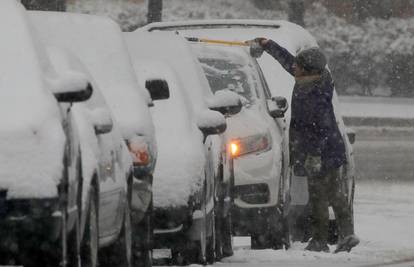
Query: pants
[[325, 191]]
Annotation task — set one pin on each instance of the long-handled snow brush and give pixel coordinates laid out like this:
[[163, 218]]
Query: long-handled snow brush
[[255, 49]]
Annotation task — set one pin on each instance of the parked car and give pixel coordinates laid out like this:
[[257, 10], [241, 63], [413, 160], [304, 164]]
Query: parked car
[[99, 43], [48, 208], [107, 159], [258, 142], [186, 177], [294, 38]]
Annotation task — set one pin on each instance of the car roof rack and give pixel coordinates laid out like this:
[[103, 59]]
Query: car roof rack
[[211, 26]]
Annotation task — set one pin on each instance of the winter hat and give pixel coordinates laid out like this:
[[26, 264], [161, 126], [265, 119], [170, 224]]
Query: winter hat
[[311, 59]]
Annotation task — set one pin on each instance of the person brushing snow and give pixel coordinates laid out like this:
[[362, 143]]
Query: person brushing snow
[[316, 146]]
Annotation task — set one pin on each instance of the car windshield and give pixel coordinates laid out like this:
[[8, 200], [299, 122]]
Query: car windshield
[[227, 74]]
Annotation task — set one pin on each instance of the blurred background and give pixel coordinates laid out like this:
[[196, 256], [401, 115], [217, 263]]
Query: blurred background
[[370, 43]]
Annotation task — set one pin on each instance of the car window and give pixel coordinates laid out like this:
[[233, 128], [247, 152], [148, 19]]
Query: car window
[[224, 74]]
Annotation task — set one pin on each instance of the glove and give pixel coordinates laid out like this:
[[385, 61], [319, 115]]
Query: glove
[[256, 41], [313, 165], [256, 46]]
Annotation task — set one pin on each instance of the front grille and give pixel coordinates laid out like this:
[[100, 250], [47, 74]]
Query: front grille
[[253, 194]]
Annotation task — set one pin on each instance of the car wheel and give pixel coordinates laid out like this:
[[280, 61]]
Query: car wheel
[[223, 232], [142, 251], [120, 253], [192, 252], [63, 253], [211, 241], [275, 234], [90, 242]]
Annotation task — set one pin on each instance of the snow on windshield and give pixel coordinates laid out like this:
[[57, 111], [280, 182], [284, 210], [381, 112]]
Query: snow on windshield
[[229, 68]]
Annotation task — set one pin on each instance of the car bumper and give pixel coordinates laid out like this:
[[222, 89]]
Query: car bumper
[[25, 223], [175, 225], [247, 221], [257, 179]]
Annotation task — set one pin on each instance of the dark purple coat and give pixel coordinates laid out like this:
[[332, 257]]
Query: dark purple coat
[[313, 128]]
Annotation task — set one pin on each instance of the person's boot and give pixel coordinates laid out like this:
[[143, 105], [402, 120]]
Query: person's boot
[[347, 243], [317, 246]]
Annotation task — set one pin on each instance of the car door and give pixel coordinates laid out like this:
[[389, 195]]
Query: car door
[[111, 178]]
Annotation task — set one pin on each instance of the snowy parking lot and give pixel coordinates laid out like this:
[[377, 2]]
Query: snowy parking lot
[[384, 217], [384, 211]]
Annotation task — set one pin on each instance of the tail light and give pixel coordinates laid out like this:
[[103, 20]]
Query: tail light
[[138, 149]]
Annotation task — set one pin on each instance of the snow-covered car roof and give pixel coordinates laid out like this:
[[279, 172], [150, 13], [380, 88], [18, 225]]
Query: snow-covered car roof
[[98, 42], [31, 135], [175, 51], [289, 35], [180, 163]]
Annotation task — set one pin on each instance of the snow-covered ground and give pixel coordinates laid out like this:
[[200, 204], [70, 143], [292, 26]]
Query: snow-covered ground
[[379, 107], [384, 218]]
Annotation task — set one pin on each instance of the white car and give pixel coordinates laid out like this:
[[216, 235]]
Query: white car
[[294, 38], [98, 42], [186, 178], [258, 142]]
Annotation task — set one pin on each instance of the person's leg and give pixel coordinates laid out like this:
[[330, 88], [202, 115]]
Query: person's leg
[[338, 199], [320, 216]]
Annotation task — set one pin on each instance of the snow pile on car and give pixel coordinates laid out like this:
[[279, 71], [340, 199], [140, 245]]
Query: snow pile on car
[[31, 137], [180, 163], [98, 42]]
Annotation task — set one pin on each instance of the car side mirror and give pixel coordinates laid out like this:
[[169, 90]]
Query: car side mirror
[[226, 102], [69, 85], [277, 106], [211, 122], [102, 121], [158, 89], [351, 135], [73, 96]]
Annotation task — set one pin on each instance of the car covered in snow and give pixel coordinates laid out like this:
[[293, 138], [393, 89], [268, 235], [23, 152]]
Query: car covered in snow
[[294, 38], [56, 194], [190, 151], [257, 139], [98, 42]]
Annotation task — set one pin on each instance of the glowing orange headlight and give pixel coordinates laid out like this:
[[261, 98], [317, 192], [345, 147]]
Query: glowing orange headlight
[[234, 149]]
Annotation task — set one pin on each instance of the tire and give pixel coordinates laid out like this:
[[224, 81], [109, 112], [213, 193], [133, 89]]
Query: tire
[[90, 243], [58, 253], [194, 252], [211, 242], [143, 240], [119, 254], [275, 234], [223, 233]]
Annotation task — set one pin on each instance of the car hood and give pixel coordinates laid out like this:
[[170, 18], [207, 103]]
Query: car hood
[[248, 122]]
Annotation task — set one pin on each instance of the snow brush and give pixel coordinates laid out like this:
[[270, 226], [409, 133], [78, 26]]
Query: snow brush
[[255, 49]]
